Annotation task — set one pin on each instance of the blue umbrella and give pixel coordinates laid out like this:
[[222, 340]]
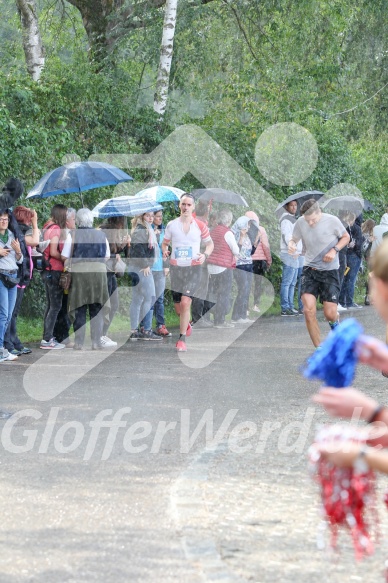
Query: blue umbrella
[[77, 177], [125, 206], [161, 193]]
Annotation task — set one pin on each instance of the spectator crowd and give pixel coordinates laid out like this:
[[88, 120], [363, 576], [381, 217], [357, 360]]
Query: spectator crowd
[[216, 264]]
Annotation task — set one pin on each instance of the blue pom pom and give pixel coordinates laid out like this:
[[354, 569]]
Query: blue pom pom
[[335, 361]]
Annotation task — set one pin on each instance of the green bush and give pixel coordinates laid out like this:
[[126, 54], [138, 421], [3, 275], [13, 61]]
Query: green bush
[[34, 300]]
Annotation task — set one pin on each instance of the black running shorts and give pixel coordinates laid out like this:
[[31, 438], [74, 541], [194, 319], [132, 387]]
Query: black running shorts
[[324, 285], [185, 281]]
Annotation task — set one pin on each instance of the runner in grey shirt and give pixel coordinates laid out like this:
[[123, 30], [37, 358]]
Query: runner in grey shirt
[[323, 236], [319, 240]]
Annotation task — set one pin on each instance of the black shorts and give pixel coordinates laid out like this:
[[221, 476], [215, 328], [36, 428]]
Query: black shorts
[[324, 285], [185, 281]]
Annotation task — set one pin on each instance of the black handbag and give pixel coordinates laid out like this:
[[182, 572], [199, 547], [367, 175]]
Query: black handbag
[[40, 262], [8, 280]]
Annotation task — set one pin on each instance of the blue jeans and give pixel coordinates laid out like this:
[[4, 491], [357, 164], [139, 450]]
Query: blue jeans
[[160, 285], [158, 307], [7, 304], [11, 339], [243, 276], [346, 298], [143, 298], [289, 277]]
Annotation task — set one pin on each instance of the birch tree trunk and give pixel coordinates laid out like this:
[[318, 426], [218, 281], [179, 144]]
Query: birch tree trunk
[[166, 50], [32, 42]]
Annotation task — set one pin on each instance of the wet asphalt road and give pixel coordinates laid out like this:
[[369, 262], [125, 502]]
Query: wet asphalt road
[[111, 480]]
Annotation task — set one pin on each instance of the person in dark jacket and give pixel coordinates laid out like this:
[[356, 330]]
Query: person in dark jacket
[[115, 229], [143, 252], [353, 263], [27, 220], [11, 260], [12, 190], [367, 241], [160, 271]]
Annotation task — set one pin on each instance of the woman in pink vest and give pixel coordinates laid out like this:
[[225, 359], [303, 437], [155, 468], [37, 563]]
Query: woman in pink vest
[[220, 265], [261, 259], [54, 230]]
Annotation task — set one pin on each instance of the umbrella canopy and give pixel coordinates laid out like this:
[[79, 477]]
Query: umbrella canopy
[[220, 195], [125, 206], [368, 206], [77, 177], [345, 203], [161, 193], [300, 198]]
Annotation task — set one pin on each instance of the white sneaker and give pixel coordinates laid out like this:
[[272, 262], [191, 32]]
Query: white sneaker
[[107, 342], [255, 309], [6, 355], [341, 308]]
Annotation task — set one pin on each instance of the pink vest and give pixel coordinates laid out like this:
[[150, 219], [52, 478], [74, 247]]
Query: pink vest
[[221, 255]]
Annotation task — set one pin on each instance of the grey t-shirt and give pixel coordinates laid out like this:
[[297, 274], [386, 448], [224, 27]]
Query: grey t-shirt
[[9, 262], [318, 240]]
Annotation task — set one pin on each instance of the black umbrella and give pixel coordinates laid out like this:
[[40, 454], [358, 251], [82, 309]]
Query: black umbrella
[[347, 203], [300, 198], [368, 206], [219, 195]]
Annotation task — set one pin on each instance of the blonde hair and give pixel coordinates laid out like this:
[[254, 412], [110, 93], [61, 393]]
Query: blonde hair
[[138, 220], [380, 262], [368, 226]]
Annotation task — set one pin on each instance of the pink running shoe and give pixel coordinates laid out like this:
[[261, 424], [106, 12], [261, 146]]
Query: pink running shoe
[[181, 346], [189, 330]]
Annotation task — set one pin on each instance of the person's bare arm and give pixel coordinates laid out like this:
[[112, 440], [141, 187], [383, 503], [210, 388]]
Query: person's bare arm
[[330, 255], [350, 402], [33, 240], [54, 251], [344, 402], [345, 455], [208, 250], [165, 251], [373, 352]]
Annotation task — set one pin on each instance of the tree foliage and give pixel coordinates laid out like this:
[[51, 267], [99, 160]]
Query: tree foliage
[[238, 67]]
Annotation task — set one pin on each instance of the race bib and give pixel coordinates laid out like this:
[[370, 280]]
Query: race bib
[[183, 255]]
